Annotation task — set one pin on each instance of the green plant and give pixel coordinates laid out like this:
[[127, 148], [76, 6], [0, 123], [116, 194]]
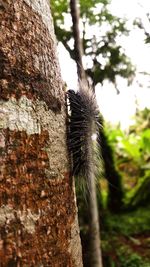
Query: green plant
[[130, 260]]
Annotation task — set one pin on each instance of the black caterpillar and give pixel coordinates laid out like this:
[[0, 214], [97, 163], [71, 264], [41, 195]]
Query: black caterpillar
[[83, 117]]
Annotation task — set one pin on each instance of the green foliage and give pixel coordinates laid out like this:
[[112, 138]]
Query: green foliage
[[139, 23], [125, 239], [133, 146], [114, 134], [107, 57], [140, 194], [129, 223], [130, 259], [132, 157], [59, 9]]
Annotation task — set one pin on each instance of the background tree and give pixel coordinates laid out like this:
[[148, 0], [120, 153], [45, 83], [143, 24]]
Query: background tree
[[100, 30], [38, 220], [132, 158], [125, 237], [145, 27], [107, 61], [140, 24], [95, 249], [135, 151], [115, 189]]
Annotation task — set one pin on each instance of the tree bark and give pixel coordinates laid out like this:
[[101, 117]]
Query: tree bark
[[38, 215]]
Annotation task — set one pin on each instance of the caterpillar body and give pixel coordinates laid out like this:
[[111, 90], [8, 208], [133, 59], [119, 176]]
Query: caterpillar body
[[83, 117]]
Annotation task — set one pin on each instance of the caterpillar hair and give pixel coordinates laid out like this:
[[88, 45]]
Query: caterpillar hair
[[83, 115]]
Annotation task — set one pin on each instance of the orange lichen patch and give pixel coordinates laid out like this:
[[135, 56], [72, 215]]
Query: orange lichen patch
[[27, 56], [30, 194]]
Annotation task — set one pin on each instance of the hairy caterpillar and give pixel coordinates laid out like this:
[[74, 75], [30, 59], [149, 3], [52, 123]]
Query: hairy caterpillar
[[83, 117]]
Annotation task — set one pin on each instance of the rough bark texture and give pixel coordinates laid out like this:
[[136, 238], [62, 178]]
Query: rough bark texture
[[38, 217]]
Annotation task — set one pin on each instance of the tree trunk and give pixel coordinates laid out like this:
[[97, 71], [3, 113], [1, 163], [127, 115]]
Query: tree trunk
[[115, 189], [95, 250], [38, 216], [95, 253], [78, 48]]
